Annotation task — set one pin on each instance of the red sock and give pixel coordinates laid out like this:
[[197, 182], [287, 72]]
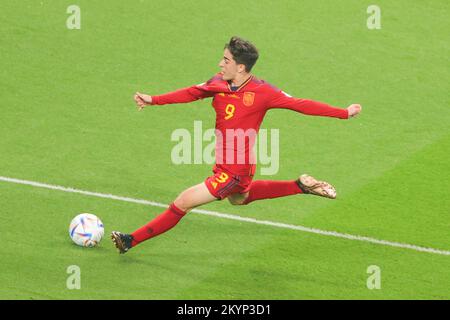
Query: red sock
[[165, 221], [267, 189]]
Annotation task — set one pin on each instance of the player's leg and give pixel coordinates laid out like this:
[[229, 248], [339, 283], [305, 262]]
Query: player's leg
[[190, 198], [265, 189], [193, 197], [269, 189]]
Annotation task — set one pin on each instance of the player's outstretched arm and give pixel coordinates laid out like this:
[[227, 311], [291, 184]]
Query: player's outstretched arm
[[311, 107], [184, 95]]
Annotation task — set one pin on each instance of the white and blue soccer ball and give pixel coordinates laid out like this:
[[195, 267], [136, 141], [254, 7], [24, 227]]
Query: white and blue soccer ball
[[86, 230]]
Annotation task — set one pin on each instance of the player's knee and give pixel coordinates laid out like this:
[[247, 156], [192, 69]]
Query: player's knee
[[182, 203], [238, 199], [236, 202]]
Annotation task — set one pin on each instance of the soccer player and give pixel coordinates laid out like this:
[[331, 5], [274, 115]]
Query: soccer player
[[240, 101]]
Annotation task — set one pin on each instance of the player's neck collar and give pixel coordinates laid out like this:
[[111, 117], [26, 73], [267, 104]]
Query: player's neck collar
[[243, 84]]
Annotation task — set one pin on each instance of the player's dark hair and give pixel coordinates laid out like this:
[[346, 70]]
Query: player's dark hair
[[243, 52]]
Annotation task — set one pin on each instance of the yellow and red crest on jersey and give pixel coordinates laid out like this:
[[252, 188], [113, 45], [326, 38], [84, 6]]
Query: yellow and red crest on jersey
[[249, 98]]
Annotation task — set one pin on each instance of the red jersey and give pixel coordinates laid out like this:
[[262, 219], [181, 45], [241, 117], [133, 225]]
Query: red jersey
[[240, 112]]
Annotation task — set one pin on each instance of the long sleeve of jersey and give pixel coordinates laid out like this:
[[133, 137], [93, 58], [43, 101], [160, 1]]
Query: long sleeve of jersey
[[305, 106], [182, 95]]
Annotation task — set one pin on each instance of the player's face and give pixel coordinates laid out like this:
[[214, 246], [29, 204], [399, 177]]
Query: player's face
[[229, 68]]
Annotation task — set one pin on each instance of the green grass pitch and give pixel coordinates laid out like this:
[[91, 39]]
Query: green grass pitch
[[67, 118]]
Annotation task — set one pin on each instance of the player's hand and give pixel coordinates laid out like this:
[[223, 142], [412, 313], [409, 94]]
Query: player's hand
[[354, 110], [142, 100]]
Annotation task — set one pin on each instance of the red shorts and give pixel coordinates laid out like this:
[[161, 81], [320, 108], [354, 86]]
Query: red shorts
[[223, 183]]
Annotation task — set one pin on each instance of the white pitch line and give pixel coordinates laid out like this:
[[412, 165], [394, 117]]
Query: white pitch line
[[233, 217]]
